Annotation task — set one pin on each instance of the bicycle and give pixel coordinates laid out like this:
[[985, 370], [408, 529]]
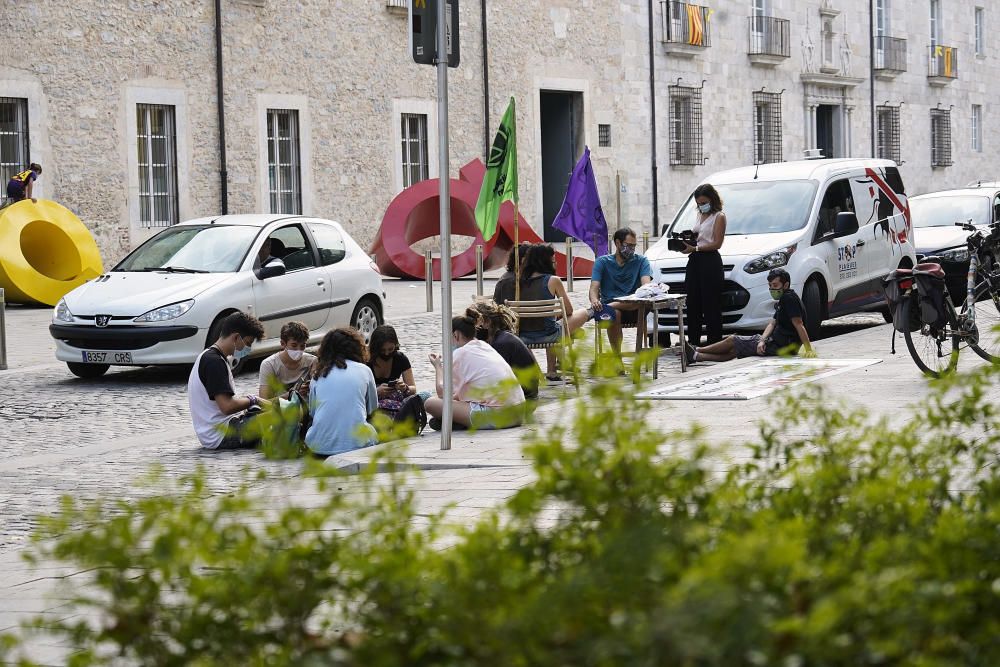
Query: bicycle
[[923, 310]]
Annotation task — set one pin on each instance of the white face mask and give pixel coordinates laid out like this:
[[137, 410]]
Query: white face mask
[[240, 355], [294, 355]]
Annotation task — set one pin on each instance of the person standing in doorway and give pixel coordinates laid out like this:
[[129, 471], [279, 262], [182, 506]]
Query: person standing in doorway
[[704, 278]]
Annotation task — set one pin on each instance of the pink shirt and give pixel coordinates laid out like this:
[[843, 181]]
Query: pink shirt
[[477, 373]]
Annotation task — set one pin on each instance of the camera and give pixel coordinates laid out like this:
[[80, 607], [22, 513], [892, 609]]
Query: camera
[[677, 240]]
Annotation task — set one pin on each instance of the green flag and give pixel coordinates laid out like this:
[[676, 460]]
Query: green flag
[[500, 182]]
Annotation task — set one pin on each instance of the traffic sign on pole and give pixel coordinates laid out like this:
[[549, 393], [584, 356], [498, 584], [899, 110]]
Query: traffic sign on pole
[[423, 32]]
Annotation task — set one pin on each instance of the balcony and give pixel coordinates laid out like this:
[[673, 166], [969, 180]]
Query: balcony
[[890, 57], [768, 40], [942, 65], [397, 5], [685, 28]]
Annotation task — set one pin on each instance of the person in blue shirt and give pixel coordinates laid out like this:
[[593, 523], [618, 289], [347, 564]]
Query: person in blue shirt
[[615, 276], [342, 395]]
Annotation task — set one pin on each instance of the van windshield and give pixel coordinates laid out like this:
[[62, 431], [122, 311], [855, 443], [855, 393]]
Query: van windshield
[[759, 207], [946, 211]]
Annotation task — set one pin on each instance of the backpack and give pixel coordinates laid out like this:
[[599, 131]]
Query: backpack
[[412, 412], [894, 286], [929, 279]]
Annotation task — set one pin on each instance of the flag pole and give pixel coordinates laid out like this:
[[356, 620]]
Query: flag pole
[[517, 263]]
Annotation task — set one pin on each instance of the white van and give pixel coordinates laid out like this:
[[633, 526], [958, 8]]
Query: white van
[[837, 226]]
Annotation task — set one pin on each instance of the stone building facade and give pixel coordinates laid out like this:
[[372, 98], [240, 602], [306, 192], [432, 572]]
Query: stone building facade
[[326, 114]]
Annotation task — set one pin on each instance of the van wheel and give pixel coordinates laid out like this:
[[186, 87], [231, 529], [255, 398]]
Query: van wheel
[[87, 371], [812, 299]]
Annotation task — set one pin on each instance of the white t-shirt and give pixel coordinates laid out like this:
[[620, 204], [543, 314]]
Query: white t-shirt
[[273, 367], [477, 373], [210, 376]]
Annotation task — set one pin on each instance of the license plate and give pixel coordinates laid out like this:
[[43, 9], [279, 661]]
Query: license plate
[[106, 357]]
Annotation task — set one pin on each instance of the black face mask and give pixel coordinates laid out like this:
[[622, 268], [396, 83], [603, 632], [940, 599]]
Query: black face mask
[[482, 333], [386, 357]]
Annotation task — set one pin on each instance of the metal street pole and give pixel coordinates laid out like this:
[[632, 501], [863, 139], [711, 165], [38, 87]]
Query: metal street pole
[[444, 195]]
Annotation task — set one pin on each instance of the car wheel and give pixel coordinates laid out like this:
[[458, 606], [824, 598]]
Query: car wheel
[[366, 317], [812, 299], [87, 371]]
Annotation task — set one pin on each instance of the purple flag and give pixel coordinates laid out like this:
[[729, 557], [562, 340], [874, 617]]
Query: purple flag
[[581, 215]]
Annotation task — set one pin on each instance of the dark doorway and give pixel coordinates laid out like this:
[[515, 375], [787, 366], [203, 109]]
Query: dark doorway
[[824, 129], [562, 144]]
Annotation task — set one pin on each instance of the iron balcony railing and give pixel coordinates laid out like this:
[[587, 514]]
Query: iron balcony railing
[[684, 23], [768, 36], [890, 54], [398, 4], [943, 61]]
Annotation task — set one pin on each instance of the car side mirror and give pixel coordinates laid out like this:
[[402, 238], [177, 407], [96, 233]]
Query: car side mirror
[[274, 267], [845, 224]]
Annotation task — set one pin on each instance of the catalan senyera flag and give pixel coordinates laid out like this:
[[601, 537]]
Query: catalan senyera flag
[[696, 28], [500, 181]]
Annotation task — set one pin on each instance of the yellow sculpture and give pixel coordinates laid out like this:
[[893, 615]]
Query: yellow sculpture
[[45, 251]]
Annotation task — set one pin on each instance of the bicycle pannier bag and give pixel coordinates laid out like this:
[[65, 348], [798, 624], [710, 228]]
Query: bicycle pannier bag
[[895, 285], [930, 286]]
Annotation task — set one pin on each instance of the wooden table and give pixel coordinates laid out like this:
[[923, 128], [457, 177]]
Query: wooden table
[[654, 305]]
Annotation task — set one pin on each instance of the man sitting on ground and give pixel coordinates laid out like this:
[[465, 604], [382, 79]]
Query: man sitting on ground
[[286, 367], [784, 333], [220, 418], [615, 276]]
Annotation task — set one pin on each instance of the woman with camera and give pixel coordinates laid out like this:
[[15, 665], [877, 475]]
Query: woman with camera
[[704, 277]]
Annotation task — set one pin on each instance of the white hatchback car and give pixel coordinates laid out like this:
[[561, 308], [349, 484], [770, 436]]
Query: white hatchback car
[[837, 226], [164, 302]]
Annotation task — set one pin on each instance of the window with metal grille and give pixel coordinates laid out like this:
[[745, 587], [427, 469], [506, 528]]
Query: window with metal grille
[[941, 138], [414, 155], [604, 136], [977, 128], [284, 167], [157, 148], [887, 128], [14, 155], [685, 125], [766, 127]]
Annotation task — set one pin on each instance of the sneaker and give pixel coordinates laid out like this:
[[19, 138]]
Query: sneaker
[[689, 353]]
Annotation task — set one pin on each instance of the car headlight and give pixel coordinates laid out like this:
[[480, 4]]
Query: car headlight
[[771, 260], [164, 313], [955, 255], [62, 313]]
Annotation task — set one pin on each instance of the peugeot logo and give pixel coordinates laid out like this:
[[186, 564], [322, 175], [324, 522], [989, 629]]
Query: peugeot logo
[[102, 320]]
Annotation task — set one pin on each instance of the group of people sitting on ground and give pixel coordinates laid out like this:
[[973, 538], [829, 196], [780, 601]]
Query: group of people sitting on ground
[[494, 373]]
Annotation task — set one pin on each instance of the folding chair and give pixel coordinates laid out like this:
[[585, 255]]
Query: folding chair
[[544, 308]]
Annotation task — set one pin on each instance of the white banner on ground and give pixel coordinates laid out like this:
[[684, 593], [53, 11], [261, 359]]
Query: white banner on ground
[[755, 379]]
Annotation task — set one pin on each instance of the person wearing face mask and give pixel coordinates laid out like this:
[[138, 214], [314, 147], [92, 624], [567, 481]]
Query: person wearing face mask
[[221, 419], [704, 278], [391, 368], [486, 393], [284, 368], [785, 333], [615, 276]]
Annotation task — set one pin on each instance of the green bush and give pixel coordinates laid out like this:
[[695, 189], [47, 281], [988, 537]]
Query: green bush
[[838, 539]]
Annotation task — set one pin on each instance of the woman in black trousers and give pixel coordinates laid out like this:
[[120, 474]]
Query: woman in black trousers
[[704, 270]]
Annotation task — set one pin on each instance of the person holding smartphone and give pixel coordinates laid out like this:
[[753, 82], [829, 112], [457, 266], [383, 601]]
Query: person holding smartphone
[[391, 368]]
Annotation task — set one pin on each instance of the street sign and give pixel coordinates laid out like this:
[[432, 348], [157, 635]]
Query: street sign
[[423, 31]]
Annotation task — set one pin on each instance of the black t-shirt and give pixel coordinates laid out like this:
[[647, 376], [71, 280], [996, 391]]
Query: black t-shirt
[[789, 306], [400, 364], [213, 371], [504, 289], [519, 357]]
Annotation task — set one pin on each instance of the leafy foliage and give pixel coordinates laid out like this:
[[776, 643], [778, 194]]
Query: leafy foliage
[[833, 539]]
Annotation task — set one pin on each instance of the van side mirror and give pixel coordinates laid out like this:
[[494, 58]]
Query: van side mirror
[[845, 224], [274, 267]]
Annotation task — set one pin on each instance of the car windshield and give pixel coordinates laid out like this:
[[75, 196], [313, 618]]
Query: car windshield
[[208, 249], [946, 211], [760, 207]]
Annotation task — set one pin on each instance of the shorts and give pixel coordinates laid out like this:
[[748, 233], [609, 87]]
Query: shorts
[[746, 346], [15, 191], [488, 418], [543, 336], [607, 314]]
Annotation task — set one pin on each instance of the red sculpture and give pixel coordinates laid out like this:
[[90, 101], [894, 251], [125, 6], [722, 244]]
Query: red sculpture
[[413, 216]]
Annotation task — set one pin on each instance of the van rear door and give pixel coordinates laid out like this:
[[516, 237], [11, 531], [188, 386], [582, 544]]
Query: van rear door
[[881, 221]]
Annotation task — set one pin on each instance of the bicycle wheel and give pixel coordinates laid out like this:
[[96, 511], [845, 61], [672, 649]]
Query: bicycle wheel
[[935, 353], [987, 320]]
